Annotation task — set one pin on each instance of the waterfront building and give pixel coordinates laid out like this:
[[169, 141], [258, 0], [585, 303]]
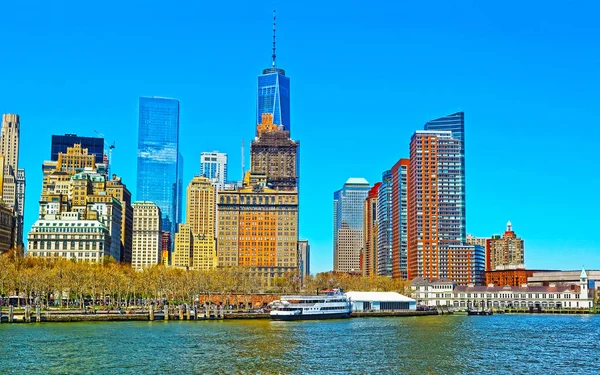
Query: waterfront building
[[275, 155], [117, 189], [274, 92], [147, 243], [61, 143], [7, 228], [348, 224], [455, 123], [304, 258], [258, 228], [384, 225], [381, 301], [371, 232], [158, 156], [546, 278], [213, 165], [508, 250], [466, 264], [485, 243], [68, 235], [435, 214], [400, 174], [445, 293]]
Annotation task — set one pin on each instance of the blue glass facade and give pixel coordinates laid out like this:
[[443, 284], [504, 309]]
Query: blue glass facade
[[274, 97], [384, 225], [60, 143], [455, 123], [158, 157]]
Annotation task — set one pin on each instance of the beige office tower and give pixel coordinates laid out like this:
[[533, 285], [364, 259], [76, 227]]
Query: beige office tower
[[182, 253], [201, 219], [118, 190], [9, 146], [147, 244]]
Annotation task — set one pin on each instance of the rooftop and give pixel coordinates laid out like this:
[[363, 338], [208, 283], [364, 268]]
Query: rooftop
[[357, 181], [379, 296]]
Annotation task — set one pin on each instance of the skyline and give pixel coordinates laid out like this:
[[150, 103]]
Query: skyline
[[536, 196]]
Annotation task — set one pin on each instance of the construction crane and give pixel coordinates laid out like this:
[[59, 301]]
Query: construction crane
[[110, 150]]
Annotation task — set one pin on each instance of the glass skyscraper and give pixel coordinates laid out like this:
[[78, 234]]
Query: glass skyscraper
[[348, 214], [158, 157], [274, 97], [384, 225], [455, 123]]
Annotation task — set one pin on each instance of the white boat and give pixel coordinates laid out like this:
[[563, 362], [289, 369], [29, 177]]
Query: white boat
[[331, 305]]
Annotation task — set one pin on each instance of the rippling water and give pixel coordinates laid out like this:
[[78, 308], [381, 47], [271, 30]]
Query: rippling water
[[499, 344]]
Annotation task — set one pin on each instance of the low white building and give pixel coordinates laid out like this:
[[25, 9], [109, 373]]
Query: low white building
[[380, 301], [445, 293]]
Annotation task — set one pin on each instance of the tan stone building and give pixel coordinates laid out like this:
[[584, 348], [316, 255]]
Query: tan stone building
[[118, 190], [182, 253], [147, 242], [7, 226], [508, 250], [258, 228]]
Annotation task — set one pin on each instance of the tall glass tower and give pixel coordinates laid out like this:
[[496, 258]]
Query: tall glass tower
[[157, 160], [274, 92]]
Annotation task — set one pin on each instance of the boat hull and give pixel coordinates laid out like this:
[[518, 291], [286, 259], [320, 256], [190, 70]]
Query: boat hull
[[311, 316]]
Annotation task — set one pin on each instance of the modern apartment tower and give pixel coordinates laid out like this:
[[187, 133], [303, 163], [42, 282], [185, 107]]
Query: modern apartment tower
[[158, 157], [274, 92], [399, 252], [455, 123], [348, 216], [94, 145], [435, 212], [384, 225], [213, 165]]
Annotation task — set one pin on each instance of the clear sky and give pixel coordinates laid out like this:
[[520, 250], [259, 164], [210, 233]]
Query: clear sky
[[364, 76]]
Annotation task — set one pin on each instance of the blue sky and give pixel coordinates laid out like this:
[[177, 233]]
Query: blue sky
[[364, 76]]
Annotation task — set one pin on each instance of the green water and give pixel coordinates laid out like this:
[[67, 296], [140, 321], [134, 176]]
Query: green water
[[499, 344]]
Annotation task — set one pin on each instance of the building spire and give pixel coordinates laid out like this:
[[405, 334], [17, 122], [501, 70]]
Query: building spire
[[274, 55]]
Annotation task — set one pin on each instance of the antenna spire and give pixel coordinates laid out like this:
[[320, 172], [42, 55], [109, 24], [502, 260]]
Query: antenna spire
[[274, 55]]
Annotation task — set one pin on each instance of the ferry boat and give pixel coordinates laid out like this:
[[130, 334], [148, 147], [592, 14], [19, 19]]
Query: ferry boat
[[331, 305]]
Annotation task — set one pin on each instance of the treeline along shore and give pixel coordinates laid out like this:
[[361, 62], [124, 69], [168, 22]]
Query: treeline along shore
[[61, 288]]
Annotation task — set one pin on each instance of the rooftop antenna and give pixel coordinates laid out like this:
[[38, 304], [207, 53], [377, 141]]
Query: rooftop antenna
[[274, 55]]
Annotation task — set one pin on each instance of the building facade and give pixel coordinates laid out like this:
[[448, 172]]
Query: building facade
[[400, 174], [12, 178], [384, 224], [371, 232], [10, 139], [275, 155], [304, 258], [435, 196], [445, 293], [508, 277], [158, 156], [348, 219], [485, 243], [147, 235], [466, 264], [201, 219], [94, 145], [273, 97], [455, 123], [68, 236], [7, 228], [118, 190], [182, 253], [213, 165], [258, 228], [508, 250]]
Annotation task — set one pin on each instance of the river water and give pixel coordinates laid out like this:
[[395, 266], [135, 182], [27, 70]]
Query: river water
[[499, 344]]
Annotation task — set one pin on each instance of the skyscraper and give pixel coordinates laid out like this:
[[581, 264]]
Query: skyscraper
[[9, 144], [274, 154], [384, 224], [94, 145], [274, 92], [399, 254], [348, 224], [213, 165], [455, 123], [370, 230], [435, 192], [508, 250], [201, 219], [117, 189], [12, 188], [147, 235], [158, 154]]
